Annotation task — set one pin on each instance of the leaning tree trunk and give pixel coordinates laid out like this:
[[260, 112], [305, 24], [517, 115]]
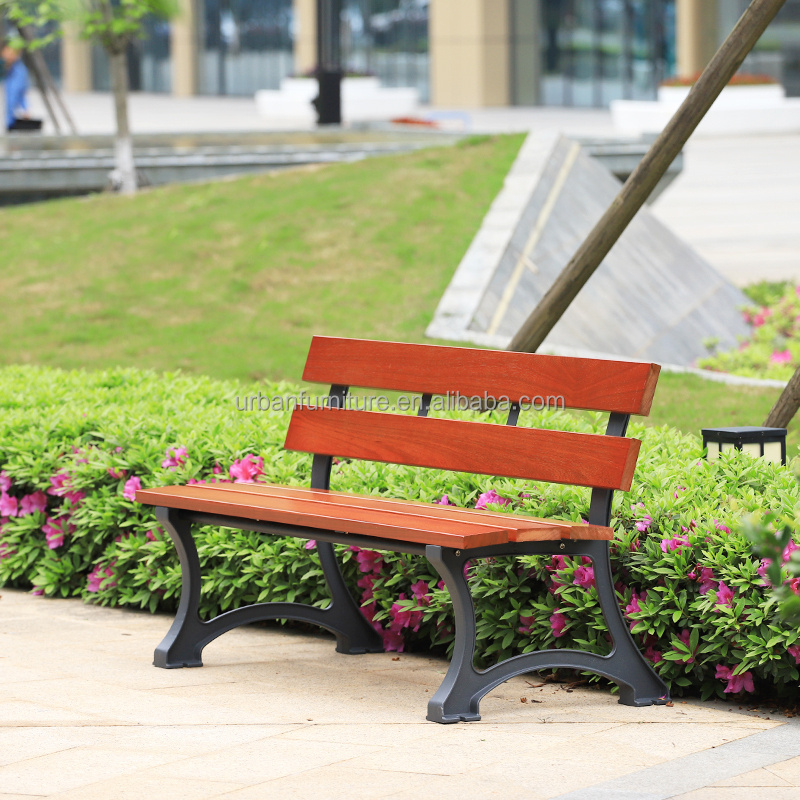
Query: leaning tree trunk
[[124, 169], [784, 410]]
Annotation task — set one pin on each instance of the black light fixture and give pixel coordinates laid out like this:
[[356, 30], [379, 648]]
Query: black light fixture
[[328, 101], [766, 443]]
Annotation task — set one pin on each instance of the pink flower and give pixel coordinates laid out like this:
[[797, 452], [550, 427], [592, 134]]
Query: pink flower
[[724, 595], [558, 622], [7, 551], [445, 501], [526, 623], [788, 550], [780, 357], [794, 651], [311, 544], [393, 641], [679, 489], [132, 485], [5, 481], [8, 505], [100, 578], [794, 585], [367, 583], [247, 469], [583, 576], [557, 563], [176, 457], [420, 591], [491, 498], [31, 503], [74, 497], [736, 683], [368, 560], [217, 468], [720, 527], [60, 483], [643, 525], [673, 544], [760, 318], [117, 474], [653, 655], [53, 530], [152, 535], [706, 579], [404, 617], [634, 608]]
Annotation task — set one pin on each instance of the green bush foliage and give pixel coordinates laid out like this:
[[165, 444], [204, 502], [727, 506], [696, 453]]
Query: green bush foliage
[[73, 447], [773, 349]]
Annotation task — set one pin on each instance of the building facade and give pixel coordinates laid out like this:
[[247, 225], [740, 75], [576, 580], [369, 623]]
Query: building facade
[[463, 53]]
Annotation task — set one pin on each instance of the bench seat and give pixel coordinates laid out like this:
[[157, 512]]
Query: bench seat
[[381, 518]]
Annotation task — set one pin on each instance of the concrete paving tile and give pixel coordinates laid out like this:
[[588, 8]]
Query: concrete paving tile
[[22, 744], [756, 777], [337, 782], [667, 741], [70, 769], [384, 735], [788, 770], [15, 713], [264, 760], [185, 740], [740, 793], [144, 784], [473, 785], [130, 705]]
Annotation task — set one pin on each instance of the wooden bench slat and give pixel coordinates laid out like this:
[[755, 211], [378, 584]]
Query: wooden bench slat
[[420, 525], [345, 520], [580, 459], [517, 524], [592, 384]]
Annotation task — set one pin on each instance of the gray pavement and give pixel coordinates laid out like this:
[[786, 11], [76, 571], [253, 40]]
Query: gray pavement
[[276, 713], [737, 201]]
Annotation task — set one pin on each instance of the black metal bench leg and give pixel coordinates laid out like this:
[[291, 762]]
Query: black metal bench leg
[[183, 644], [638, 684], [354, 634], [458, 697]]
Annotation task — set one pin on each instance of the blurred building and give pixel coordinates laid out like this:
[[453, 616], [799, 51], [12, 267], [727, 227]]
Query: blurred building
[[466, 53]]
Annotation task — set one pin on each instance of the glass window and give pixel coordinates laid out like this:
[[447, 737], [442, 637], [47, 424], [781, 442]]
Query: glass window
[[244, 45]]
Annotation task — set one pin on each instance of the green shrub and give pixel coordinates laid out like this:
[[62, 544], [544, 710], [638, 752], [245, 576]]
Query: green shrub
[[72, 445], [773, 349]]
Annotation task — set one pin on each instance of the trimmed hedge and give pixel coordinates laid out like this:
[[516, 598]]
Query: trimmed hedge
[[74, 446]]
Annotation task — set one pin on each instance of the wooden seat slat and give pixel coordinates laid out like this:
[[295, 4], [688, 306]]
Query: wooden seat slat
[[518, 525], [580, 459], [418, 527], [617, 386]]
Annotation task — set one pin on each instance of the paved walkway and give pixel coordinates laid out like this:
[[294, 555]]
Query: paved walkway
[[84, 715]]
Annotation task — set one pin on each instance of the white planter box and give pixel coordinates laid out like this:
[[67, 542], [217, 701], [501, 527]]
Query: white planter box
[[363, 99], [738, 109]]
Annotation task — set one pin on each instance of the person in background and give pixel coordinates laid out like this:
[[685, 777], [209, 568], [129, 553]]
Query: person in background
[[16, 86]]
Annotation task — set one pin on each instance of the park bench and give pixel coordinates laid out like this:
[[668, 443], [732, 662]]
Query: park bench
[[447, 536]]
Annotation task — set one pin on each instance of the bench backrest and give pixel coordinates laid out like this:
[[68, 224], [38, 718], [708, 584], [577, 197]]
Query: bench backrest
[[604, 462]]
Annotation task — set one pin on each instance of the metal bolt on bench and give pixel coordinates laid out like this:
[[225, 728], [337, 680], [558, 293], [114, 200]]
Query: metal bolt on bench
[[447, 537]]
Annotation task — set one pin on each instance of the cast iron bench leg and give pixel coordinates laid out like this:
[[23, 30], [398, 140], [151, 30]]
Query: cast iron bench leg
[[183, 645], [459, 696]]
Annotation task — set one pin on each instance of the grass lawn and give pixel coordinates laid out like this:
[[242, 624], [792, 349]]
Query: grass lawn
[[232, 278]]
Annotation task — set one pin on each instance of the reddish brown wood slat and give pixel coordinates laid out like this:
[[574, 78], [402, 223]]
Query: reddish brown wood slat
[[618, 386], [577, 530], [336, 518], [579, 459], [382, 519]]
